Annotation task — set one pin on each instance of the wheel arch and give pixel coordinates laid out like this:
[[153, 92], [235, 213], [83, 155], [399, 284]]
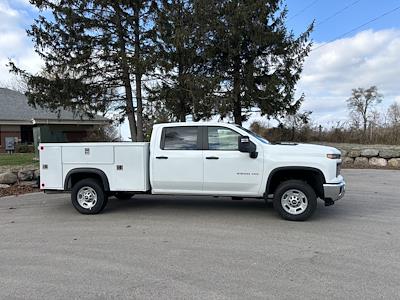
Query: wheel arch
[[77, 174], [313, 176]]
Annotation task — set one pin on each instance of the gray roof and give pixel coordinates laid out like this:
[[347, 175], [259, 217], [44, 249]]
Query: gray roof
[[14, 107]]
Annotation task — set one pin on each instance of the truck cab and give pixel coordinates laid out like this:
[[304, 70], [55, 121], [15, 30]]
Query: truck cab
[[214, 159]]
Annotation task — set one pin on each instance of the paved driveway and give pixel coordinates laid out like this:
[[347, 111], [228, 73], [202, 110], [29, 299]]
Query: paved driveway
[[163, 247]]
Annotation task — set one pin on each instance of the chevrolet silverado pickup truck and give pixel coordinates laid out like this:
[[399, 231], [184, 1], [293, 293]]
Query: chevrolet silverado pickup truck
[[195, 159]]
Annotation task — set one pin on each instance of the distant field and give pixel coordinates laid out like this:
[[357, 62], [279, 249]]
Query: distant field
[[17, 159]]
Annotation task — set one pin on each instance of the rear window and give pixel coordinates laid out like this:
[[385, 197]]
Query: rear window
[[180, 138]]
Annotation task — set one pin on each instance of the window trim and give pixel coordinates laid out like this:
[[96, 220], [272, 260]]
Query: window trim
[[199, 138], [205, 137]]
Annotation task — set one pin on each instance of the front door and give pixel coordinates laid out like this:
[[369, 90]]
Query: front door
[[177, 164], [227, 171]]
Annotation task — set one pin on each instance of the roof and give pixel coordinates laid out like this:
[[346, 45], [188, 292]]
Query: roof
[[201, 123], [14, 109]]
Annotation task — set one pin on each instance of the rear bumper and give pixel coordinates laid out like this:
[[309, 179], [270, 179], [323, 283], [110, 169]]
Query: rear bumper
[[334, 191]]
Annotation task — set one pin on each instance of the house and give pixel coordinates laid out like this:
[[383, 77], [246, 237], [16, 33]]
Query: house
[[28, 125]]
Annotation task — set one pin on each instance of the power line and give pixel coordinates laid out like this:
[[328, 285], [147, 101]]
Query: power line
[[337, 13], [303, 10], [360, 26]]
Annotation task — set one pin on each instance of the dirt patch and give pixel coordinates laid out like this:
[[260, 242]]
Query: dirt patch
[[16, 190]]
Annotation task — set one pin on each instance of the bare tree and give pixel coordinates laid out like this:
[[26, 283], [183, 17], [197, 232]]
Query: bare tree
[[361, 104], [394, 114]]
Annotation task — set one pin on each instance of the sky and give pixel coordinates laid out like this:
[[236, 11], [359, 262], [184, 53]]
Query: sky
[[345, 54]]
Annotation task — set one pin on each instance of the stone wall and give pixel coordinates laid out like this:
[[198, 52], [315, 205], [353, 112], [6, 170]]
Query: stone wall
[[18, 175], [369, 156]]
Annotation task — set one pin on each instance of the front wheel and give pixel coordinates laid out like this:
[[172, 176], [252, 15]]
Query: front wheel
[[88, 197], [295, 200]]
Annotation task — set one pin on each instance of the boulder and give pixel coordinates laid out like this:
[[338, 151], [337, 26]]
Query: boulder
[[347, 161], [369, 152], [361, 162], [25, 175], [394, 163], [36, 174], [8, 178], [354, 153], [378, 162], [389, 153], [344, 152], [28, 183], [4, 186]]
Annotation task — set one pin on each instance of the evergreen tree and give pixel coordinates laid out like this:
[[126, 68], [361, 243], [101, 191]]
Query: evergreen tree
[[258, 60], [183, 86], [91, 49]]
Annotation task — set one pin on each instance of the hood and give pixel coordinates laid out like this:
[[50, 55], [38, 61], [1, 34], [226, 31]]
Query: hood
[[302, 149]]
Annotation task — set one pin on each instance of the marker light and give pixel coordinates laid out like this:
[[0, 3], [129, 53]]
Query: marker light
[[334, 156]]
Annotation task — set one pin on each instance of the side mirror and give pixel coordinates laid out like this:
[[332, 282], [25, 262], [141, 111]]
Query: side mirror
[[247, 146]]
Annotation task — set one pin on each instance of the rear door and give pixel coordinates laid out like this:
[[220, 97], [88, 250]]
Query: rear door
[[50, 167], [227, 171], [177, 162]]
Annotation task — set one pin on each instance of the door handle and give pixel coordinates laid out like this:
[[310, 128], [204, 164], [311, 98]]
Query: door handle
[[212, 157], [162, 157]]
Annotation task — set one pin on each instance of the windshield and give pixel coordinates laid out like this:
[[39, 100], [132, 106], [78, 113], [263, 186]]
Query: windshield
[[260, 138]]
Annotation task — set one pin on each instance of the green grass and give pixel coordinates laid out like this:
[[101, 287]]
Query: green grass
[[17, 159]]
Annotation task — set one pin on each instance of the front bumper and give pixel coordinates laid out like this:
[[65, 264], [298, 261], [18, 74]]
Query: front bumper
[[334, 191]]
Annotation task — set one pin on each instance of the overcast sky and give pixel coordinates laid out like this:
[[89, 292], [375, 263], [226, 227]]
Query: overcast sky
[[369, 55]]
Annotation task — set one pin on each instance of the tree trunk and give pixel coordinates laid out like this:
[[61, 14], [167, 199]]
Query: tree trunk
[[182, 94], [130, 111], [237, 105], [138, 75]]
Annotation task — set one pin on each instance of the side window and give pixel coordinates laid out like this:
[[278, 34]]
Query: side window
[[179, 138], [220, 138]]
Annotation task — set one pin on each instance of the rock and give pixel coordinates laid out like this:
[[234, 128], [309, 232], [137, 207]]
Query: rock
[[25, 175], [378, 162], [4, 186], [394, 163], [28, 183], [361, 162], [344, 152], [354, 153], [8, 178], [389, 153], [347, 161], [369, 152], [36, 174]]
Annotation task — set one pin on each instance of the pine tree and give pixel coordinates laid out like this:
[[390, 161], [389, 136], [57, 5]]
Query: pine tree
[[91, 50], [183, 86], [258, 60]]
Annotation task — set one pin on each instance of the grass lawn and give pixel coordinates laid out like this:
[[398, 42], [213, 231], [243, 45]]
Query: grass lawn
[[17, 159]]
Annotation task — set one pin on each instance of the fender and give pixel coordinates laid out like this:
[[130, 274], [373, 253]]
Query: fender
[[292, 168], [98, 172]]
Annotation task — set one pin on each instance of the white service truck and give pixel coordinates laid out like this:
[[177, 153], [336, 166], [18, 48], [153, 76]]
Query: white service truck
[[195, 159]]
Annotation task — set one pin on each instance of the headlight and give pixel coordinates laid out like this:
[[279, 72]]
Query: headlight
[[334, 156]]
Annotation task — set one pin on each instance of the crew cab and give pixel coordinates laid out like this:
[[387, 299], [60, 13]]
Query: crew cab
[[213, 159]]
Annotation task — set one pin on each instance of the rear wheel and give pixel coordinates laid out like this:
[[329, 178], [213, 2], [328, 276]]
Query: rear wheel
[[88, 197], [295, 200]]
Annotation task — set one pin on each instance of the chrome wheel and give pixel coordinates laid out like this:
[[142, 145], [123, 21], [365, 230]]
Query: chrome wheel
[[87, 197], [294, 202]]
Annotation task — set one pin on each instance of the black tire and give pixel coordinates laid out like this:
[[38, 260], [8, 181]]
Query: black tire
[[123, 195], [101, 196], [297, 186]]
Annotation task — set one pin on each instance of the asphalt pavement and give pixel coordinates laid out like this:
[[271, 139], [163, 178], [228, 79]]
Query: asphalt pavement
[[204, 248]]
